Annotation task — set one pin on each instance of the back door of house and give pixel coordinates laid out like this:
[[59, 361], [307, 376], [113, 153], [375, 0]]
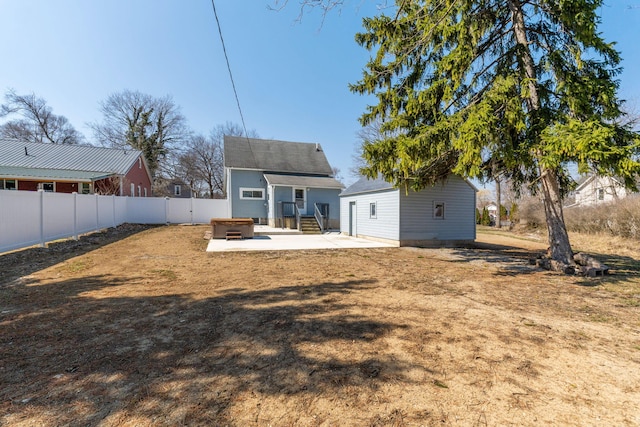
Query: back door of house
[[300, 197]]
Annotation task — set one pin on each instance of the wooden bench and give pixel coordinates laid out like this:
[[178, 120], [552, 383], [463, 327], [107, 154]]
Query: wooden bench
[[231, 228]]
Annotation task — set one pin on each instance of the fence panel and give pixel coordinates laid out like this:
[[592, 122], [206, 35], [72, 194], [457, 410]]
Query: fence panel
[[179, 211], [205, 209], [106, 212], [86, 213], [19, 219], [29, 218], [58, 216], [146, 210]]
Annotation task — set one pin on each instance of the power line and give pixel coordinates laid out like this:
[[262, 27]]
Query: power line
[[233, 85]]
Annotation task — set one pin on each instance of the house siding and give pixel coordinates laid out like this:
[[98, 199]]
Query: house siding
[[588, 193], [325, 195], [385, 225], [241, 208], [417, 222], [138, 175]]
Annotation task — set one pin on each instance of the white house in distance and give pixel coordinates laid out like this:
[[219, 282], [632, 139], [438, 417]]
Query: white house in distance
[[593, 190], [441, 215]]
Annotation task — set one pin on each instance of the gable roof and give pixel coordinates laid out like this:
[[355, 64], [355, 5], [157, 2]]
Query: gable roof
[[86, 158], [275, 156], [585, 180], [366, 185]]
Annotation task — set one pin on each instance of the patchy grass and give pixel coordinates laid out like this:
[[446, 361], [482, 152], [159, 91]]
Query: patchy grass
[[141, 327]]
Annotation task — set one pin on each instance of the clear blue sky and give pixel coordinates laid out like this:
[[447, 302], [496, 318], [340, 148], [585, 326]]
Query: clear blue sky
[[292, 77]]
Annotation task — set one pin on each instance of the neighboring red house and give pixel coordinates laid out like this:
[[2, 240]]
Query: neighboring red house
[[66, 168]]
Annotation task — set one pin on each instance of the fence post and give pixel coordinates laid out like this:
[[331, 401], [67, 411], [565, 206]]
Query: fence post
[[191, 208], [166, 210], [97, 215], [75, 215], [42, 242], [113, 204]]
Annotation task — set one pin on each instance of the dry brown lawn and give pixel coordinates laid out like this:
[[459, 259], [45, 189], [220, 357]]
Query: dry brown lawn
[[142, 327]]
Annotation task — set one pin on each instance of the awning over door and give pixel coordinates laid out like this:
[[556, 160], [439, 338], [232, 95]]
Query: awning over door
[[302, 181]]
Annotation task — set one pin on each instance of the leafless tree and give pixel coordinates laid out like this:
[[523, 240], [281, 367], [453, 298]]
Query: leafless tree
[[202, 163], [152, 125], [366, 135], [36, 122]]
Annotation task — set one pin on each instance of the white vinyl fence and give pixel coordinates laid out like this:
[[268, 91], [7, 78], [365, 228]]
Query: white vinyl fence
[[30, 218]]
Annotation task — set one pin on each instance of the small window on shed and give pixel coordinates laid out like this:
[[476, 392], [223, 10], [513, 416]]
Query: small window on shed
[[438, 210], [373, 210], [600, 193], [177, 190]]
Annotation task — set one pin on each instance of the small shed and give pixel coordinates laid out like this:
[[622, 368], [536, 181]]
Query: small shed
[[441, 215]]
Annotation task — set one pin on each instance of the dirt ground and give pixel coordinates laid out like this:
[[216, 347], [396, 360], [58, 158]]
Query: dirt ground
[[142, 327]]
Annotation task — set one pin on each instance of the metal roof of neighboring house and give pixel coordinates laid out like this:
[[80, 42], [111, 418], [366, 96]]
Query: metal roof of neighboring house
[[303, 181], [366, 185], [58, 174], [275, 156], [33, 155]]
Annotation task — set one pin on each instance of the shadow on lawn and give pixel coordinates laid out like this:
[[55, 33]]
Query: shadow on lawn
[[27, 261], [515, 261], [178, 359]]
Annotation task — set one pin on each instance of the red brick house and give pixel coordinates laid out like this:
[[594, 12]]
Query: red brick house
[[65, 168]]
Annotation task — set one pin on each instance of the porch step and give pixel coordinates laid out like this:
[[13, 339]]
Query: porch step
[[309, 225], [234, 235]]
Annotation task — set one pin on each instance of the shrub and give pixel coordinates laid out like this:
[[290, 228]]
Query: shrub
[[619, 218]]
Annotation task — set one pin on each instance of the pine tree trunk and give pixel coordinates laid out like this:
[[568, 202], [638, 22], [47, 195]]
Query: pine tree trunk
[[498, 199], [559, 245], [558, 237]]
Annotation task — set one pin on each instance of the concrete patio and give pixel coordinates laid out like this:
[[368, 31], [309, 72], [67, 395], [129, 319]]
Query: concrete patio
[[277, 239]]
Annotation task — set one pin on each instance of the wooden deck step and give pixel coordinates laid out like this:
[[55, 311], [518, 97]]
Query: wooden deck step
[[234, 235]]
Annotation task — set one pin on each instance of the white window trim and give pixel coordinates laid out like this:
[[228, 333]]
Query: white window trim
[[442, 215], [243, 189], [375, 210]]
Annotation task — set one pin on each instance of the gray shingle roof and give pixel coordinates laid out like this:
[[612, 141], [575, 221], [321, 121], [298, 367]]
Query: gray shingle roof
[[14, 153], [275, 156], [365, 185]]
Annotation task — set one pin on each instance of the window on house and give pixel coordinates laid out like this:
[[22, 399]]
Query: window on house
[[10, 184], [600, 193], [139, 191], [84, 187], [46, 186], [438, 210], [132, 189], [145, 191], [177, 190], [373, 210], [252, 193], [139, 162]]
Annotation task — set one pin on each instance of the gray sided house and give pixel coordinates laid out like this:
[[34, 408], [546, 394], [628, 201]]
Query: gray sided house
[[268, 180], [442, 215]]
